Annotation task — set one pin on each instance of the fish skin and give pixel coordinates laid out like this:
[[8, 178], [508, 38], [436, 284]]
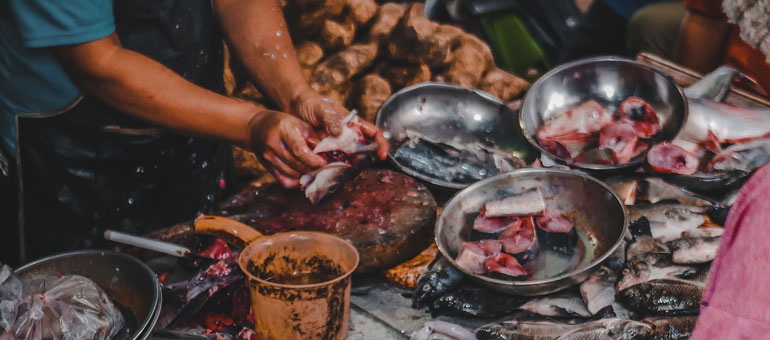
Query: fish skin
[[694, 250], [714, 85], [609, 329], [426, 159], [655, 189], [586, 118], [728, 123], [744, 157], [718, 214], [440, 278], [671, 328], [474, 301], [598, 291], [558, 305], [528, 202], [665, 297], [669, 221], [645, 244], [326, 180], [650, 267], [617, 260]]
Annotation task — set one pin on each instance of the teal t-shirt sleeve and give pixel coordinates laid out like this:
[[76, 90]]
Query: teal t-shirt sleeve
[[46, 23]]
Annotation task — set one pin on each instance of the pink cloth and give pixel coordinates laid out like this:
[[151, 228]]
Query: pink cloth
[[736, 303]]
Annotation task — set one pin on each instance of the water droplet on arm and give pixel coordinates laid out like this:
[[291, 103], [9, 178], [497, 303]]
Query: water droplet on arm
[[285, 56], [278, 33]]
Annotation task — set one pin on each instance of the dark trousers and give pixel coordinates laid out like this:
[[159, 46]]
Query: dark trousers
[[9, 214], [601, 31]]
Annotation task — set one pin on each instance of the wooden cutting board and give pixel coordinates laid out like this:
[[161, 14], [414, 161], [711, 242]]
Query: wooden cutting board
[[388, 216]]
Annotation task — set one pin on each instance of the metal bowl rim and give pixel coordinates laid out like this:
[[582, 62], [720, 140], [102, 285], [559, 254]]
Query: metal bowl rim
[[429, 84], [514, 283], [590, 166], [153, 314]]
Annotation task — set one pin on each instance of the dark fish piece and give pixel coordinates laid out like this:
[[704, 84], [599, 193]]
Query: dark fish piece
[[670, 158], [474, 255], [706, 183], [639, 226], [521, 242], [654, 190], [428, 159], [474, 301], [557, 232], [597, 156], [609, 329], [617, 260], [669, 222], [668, 297], [652, 266], [718, 214], [713, 86], [563, 305], [506, 266], [672, 328], [523, 330], [694, 250], [440, 278]]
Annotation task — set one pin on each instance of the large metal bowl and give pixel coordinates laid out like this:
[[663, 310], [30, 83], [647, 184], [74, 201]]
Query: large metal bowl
[[608, 80], [598, 213], [125, 279], [446, 112]]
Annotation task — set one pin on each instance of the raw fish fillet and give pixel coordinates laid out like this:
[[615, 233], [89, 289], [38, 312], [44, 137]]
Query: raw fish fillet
[[474, 255], [621, 137], [640, 115], [521, 241], [557, 232], [506, 265], [554, 221], [667, 157], [317, 184], [584, 119], [493, 225], [529, 202]]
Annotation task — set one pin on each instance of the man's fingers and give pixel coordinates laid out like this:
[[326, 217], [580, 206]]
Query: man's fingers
[[331, 117], [278, 164], [288, 155], [373, 132], [285, 181]]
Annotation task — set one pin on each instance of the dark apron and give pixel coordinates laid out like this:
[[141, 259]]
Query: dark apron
[[89, 167]]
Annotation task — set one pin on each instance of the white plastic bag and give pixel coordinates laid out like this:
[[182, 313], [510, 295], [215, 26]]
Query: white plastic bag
[[10, 294], [68, 307]]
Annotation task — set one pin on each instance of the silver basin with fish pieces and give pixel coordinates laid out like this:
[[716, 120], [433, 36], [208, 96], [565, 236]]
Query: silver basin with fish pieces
[[450, 113], [599, 216], [608, 80], [124, 278]]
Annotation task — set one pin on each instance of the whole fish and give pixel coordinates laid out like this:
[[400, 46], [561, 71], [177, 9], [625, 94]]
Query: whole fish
[[474, 301], [598, 291], [669, 221], [442, 330], [654, 190], [440, 278], [523, 330], [645, 244], [609, 329], [713, 86], [663, 297], [709, 121], [745, 157], [671, 328], [652, 266], [694, 250], [559, 305]]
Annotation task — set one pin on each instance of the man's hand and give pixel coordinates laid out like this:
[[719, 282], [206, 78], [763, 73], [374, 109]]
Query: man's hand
[[323, 113], [281, 142]]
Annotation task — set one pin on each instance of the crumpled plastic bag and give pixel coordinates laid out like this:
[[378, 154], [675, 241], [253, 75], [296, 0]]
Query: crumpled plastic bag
[[10, 294], [65, 307]]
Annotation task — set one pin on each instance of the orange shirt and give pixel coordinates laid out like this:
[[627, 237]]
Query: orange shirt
[[738, 53]]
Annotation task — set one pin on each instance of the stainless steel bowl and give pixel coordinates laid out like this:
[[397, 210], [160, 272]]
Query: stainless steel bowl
[[450, 113], [598, 213], [125, 279], [608, 80]]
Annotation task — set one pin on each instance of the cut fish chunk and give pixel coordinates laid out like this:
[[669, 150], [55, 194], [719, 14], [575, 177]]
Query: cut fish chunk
[[474, 255], [521, 241], [493, 225], [529, 202], [506, 265]]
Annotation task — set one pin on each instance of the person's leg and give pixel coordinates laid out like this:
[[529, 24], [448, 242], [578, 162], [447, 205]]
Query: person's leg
[[654, 28], [601, 31], [737, 299]]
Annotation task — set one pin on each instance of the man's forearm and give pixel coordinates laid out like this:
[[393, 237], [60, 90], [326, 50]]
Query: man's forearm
[[259, 37], [144, 88]]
